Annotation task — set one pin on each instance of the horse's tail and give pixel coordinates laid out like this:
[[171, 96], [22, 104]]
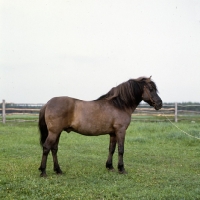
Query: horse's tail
[[42, 126]]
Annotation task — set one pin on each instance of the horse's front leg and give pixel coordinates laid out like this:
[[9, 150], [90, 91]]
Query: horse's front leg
[[109, 163], [120, 141]]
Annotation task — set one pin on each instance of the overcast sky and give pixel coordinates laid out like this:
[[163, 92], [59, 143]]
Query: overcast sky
[[84, 48]]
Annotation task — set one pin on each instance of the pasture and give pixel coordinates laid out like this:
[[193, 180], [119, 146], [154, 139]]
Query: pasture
[[162, 163]]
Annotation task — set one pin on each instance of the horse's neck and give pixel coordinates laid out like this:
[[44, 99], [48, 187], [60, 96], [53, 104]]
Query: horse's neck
[[131, 110]]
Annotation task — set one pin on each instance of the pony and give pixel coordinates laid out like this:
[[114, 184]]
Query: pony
[[109, 114]]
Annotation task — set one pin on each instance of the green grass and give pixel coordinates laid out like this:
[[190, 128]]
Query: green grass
[[21, 117], [161, 161]]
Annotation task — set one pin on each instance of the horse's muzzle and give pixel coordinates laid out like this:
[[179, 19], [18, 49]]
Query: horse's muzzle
[[158, 105]]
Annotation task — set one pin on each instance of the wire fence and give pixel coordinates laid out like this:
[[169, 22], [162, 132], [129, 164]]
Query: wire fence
[[174, 111], [24, 112]]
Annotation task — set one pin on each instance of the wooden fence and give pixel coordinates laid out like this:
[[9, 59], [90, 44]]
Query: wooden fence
[[175, 112]]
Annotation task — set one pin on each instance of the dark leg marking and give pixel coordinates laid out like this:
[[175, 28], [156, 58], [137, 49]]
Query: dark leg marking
[[54, 151], [112, 147]]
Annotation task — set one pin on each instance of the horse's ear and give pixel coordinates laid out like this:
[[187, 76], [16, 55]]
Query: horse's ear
[[149, 79]]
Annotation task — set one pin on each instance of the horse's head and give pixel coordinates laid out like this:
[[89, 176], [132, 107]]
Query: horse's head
[[150, 95]]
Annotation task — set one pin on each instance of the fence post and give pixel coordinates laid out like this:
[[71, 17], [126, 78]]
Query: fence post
[[176, 112], [4, 111]]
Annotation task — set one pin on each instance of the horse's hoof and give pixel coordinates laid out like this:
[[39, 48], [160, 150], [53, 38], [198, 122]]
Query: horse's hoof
[[59, 173], [111, 169], [44, 175], [122, 172]]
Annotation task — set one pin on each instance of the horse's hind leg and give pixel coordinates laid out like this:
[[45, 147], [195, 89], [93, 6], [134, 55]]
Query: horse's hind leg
[[48, 144], [120, 141], [54, 151], [112, 146], [42, 167]]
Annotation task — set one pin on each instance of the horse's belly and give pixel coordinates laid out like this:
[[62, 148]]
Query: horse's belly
[[92, 128]]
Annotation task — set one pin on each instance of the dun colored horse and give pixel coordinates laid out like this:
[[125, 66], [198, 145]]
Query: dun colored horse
[[109, 114]]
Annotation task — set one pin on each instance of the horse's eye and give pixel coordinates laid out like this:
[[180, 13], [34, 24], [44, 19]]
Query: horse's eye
[[151, 89]]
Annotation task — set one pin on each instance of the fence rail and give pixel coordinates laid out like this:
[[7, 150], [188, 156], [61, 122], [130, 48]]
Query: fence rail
[[176, 112]]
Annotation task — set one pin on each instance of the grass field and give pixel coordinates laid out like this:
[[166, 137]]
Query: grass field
[[162, 163]]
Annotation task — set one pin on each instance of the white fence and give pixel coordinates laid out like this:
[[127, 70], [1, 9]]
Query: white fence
[[175, 112]]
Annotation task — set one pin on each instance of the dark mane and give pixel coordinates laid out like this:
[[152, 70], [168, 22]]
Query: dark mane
[[127, 94]]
